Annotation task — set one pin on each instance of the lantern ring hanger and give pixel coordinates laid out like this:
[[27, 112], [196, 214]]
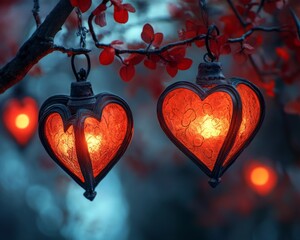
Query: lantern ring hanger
[[209, 56], [82, 74]]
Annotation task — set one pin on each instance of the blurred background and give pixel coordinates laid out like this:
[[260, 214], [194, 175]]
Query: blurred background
[[154, 191]]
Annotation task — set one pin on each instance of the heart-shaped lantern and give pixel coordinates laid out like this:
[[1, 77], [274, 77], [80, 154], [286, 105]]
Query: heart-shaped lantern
[[85, 134], [211, 121], [20, 117]]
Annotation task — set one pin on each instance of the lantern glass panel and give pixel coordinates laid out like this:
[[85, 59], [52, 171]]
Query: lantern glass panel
[[63, 143], [104, 138], [251, 112], [200, 125]]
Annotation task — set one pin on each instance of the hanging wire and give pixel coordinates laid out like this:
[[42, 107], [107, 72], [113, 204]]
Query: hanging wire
[[82, 31], [209, 56], [82, 74]]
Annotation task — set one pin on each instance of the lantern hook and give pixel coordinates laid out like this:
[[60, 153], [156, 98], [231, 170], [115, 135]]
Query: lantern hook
[[209, 56], [82, 74]]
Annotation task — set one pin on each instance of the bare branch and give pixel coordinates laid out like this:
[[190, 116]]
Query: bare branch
[[70, 51], [261, 5], [35, 12], [297, 21], [165, 48], [36, 47], [257, 29]]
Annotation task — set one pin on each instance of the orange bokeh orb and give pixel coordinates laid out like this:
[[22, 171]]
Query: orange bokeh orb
[[261, 178], [22, 121], [20, 117]]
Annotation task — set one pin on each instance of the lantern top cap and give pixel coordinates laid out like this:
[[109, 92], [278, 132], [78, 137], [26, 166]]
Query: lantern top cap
[[210, 73]]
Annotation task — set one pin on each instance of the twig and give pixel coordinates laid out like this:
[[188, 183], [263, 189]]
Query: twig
[[238, 15], [297, 21], [165, 48], [257, 29], [35, 12], [261, 5], [70, 51]]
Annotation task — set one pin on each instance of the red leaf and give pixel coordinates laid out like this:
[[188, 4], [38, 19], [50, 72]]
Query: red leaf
[[283, 54], [177, 53], [293, 107], [117, 42], [100, 19], [248, 49], [120, 15], [107, 56], [129, 7], [184, 64], [148, 33], [150, 64], [200, 43], [175, 10], [172, 71], [270, 88], [127, 72], [158, 38], [101, 8], [117, 3], [134, 59], [226, 49], [83, 5]]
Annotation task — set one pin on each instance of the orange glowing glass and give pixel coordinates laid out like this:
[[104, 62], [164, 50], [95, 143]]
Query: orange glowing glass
[[213, 120], [103, 139], [20, 119], [200, 125], [85, 134]]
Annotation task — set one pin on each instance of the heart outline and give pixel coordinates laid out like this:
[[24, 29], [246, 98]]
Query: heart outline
[[236, 118], [59, 104]]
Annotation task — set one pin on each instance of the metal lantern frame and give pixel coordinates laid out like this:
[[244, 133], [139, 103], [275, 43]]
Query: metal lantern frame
[[74, 110], [211, 80]]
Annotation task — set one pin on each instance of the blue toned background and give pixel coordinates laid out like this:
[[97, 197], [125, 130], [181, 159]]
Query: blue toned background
[[154, 192]]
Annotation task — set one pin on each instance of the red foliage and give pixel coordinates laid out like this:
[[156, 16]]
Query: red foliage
[[107, 56], [148, 36], [293, 107], [83, 5], [121, 11], [127, 72], [99, 13], [175, 60]]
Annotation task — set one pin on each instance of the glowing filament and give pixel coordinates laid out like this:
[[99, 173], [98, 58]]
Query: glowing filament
[[209, 126], [93, 142], [259, 176], [22, 121]]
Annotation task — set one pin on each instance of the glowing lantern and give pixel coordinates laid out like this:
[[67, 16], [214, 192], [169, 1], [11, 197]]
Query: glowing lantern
[[20, 119], [85, 134], [261, 178], [211, 121]]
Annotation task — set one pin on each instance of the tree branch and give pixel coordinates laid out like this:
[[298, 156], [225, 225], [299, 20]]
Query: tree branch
[[297, 21], [261, 5], [165, 48], [36, 47], [35, 12], [70, 51]]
